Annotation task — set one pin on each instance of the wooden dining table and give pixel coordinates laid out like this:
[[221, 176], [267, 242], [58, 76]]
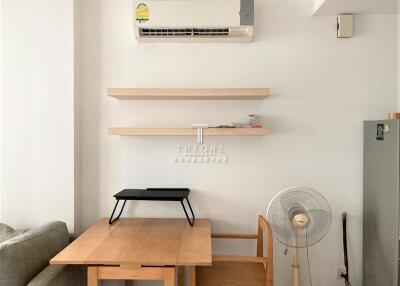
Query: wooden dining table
[[139, 249]]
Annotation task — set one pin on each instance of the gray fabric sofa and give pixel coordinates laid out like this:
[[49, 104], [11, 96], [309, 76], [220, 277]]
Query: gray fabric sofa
[[24, 257]]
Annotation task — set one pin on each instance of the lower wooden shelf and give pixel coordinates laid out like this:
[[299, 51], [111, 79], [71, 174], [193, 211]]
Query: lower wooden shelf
[[188, 93], [189, 131]]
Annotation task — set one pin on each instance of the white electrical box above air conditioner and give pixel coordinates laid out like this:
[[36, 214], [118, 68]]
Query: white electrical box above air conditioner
[[194, 20]]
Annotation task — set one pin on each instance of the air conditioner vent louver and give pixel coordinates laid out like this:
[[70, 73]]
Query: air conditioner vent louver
[[187, 32]]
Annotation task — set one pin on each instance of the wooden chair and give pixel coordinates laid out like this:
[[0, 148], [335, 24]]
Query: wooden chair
[[239, 270]]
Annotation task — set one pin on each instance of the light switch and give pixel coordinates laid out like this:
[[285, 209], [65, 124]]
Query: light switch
[[345, 26]]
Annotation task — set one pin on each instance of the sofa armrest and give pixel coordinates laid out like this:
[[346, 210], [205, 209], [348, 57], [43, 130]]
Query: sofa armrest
[[60, 275], [47, 275], [23, 257]]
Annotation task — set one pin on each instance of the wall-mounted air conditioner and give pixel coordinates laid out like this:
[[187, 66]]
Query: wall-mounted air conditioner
[[194, 20]]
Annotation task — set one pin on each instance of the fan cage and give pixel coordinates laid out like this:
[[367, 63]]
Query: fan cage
[[286, 204]]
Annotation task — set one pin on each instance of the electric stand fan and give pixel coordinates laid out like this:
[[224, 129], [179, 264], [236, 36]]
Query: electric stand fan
[[299, 218]]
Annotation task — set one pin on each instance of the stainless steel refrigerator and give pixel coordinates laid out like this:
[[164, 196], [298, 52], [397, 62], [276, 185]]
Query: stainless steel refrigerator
[[381, 203]]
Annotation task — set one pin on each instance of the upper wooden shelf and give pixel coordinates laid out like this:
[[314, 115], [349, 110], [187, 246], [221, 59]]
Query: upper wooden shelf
[[188, 93], [188, 131]]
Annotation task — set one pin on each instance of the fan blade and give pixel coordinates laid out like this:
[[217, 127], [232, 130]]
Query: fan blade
[[320, 221], [318, 216], [294, 198], [277, 222], [282, 229]]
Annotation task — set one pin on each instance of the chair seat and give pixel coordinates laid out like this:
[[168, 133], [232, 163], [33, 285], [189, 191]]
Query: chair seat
[[231, 274]]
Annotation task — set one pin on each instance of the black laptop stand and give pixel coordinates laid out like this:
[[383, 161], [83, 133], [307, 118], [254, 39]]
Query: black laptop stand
[[169, 195]]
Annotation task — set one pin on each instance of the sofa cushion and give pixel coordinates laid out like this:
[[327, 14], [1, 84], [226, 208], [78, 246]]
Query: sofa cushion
[[24, 256], [7, 232]]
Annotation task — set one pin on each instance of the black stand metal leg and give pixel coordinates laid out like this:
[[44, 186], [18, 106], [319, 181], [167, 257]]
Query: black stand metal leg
[[111, 221], [191, 222]]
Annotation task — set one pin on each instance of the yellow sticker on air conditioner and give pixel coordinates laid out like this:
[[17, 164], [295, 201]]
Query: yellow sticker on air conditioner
[[142, 13]]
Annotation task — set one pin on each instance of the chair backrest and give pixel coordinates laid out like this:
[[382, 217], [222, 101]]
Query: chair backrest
[[264, 230]]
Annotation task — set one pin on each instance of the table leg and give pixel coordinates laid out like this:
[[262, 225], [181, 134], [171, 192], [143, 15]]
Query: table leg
[[93, 279], [192, 275], [128, 282], [181, 275], [112, 220], [170, 277], [191, 222]]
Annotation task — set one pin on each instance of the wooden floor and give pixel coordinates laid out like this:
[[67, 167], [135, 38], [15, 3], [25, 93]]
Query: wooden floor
[[231, 274]]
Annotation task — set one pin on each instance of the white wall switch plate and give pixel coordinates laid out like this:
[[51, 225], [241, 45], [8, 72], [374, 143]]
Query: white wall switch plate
[[339, 272], [345, 26]]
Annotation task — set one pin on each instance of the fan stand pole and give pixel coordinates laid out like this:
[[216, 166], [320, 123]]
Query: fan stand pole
[[296, 268]]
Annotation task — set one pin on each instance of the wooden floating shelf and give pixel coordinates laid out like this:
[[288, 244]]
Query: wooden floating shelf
[[189, 93], [188, 131]]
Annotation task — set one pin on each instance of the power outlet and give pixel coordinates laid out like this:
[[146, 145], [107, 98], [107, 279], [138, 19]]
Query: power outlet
[[339, 272]]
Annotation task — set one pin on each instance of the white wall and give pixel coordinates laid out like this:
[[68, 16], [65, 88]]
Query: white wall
[[77, 120], [398, 59], [37, 112], [1, 96], [323, 88], [317, 4]]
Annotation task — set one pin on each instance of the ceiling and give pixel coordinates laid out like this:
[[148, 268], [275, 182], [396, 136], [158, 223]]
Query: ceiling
[[335, 7]]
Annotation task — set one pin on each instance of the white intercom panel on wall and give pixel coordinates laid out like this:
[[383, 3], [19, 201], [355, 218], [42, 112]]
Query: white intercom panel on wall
[[345, 26]]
